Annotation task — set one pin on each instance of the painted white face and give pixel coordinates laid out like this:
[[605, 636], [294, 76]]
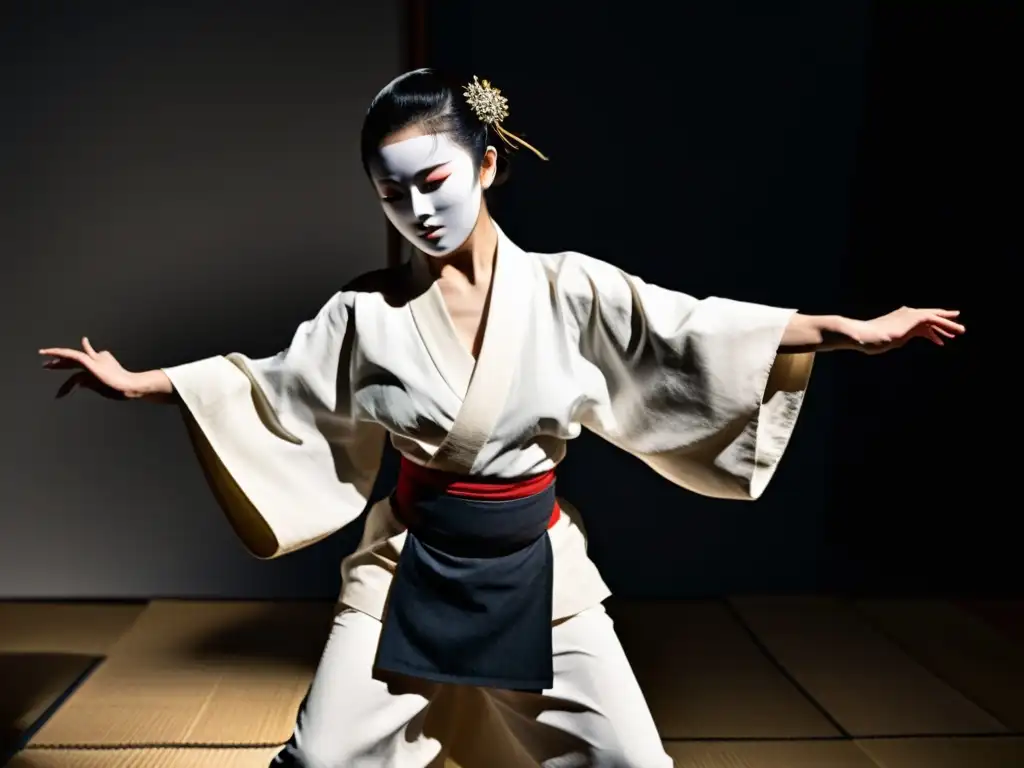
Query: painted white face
[[429, 190]]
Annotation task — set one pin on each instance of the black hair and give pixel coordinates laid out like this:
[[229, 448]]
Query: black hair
[[427, 97]]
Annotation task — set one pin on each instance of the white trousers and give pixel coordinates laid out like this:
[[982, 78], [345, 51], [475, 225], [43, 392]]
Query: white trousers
[[594, 716]]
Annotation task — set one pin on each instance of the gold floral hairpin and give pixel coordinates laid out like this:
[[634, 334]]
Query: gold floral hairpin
[[491, 107]]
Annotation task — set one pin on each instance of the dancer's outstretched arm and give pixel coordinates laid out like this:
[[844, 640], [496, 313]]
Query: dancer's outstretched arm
[[821, 333], [102, 373]]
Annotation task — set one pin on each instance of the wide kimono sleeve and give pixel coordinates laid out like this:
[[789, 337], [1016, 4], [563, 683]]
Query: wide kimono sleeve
[[696, 388], [278, 437]]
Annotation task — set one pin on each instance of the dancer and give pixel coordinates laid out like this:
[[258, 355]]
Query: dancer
[[470, 623]]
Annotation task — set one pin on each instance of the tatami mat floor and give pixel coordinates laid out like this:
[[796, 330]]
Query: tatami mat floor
[[787, 682]]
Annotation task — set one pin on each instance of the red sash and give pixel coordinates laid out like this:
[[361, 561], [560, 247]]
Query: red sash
[[414, 479]]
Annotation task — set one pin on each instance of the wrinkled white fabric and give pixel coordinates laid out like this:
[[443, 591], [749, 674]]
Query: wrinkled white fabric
[[695, 388], [594, 716], [291, 446]]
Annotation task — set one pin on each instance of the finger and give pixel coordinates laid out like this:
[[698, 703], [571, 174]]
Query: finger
[[942, 322], [943, 332], [88, 347], [945, 312], [934, 337], [62, 351], [67, 354]]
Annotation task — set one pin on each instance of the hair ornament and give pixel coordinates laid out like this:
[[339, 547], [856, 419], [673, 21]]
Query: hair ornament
[[491, 107]]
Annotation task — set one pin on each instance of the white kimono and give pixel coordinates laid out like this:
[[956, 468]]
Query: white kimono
[[291, 444]]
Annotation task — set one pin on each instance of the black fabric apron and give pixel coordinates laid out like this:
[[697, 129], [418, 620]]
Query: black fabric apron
[[471, 598]]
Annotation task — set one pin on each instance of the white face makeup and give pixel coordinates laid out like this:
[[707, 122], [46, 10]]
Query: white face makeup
[[429, 190]]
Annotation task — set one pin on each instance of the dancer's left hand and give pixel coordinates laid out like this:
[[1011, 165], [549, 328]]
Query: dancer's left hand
[[895, 329]]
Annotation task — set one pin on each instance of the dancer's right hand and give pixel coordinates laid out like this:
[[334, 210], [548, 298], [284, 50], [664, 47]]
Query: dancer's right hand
[[102, 373]]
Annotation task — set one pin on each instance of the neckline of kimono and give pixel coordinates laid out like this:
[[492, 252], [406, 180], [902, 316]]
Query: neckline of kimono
[[437, 297], [486, 381], [455, 362]]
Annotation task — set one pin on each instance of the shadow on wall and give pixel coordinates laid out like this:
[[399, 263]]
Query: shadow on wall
[[182, 183]]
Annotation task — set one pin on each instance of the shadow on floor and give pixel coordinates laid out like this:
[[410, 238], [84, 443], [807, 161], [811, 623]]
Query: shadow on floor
[[34, 685]]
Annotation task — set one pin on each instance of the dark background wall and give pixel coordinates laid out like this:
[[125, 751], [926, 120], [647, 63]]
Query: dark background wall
[[709, 150], [188, 183], [843, 157]]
